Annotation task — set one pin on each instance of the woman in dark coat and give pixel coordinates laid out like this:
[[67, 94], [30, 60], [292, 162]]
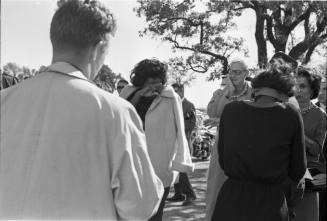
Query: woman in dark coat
[[261, 150]]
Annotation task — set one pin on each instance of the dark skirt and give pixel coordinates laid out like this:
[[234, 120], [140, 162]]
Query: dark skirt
[[248, 201]]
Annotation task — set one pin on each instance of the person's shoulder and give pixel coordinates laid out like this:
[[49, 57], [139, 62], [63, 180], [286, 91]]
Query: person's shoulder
[[319, 112], [234, 105], [188, 102]]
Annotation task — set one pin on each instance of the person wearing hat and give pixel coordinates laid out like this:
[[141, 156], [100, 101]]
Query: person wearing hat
[[183, 188]]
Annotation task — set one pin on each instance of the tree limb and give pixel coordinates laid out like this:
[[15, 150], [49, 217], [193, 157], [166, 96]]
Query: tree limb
[[204, 70], [270, 34], [222, 58], [304, 16]]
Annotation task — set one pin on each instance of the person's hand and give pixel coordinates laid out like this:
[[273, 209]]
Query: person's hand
[[229, 89], [150, 90], [211, 122]]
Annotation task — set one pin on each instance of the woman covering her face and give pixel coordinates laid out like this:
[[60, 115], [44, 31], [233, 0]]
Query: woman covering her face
[[160, 109]]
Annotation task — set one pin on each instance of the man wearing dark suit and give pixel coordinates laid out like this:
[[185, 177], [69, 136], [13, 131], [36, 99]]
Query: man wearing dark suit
[[183, 189]]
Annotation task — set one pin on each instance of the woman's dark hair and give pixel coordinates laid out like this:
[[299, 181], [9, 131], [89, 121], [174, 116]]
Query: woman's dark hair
[[148, 68], [283, 82], [314, 80]]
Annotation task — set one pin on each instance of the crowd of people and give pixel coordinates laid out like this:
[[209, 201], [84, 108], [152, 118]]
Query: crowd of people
[[84, 153]]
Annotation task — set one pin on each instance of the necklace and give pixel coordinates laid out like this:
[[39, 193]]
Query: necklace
[[307, 109]]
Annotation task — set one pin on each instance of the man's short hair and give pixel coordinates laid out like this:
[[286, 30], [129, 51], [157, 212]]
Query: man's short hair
[[241, 62], [80, 24]]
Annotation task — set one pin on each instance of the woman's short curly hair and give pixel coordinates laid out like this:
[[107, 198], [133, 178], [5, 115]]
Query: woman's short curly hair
[[148, 68], [313, 79], [283, 82]]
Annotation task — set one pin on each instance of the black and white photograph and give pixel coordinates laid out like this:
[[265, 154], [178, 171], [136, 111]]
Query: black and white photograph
[[163, 110]]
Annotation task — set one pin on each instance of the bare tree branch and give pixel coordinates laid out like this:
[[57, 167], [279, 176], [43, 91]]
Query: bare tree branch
[[304, 16]]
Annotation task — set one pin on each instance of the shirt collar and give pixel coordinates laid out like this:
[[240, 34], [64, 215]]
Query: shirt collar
[[66, 69]]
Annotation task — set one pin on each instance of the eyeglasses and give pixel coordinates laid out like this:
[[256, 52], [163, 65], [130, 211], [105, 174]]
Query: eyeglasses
[[236, 72]]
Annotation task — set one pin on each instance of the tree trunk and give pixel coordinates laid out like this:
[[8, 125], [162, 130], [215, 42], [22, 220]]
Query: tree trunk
[[260, 39]]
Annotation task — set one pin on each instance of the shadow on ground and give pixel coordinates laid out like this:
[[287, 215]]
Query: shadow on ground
[[175, 210]]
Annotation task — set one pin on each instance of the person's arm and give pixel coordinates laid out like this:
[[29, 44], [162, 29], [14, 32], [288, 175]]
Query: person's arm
[[314, 144], [297, 165], [182, 161], [213, 104], [137, 191], [220, 145]]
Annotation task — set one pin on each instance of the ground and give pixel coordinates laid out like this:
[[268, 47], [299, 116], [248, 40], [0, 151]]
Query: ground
[[196, 212]]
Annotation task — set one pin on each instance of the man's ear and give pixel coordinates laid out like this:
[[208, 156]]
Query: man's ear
[[97, 49]]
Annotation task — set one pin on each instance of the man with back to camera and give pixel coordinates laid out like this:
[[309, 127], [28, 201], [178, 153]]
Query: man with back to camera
[[183, 189], [81, 152]]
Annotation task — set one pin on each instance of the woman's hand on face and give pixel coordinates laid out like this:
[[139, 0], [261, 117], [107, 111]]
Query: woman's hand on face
[[150, 90]]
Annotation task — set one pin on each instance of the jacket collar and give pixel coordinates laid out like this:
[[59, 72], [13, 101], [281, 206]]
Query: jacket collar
[[66, 69], [167, 92]]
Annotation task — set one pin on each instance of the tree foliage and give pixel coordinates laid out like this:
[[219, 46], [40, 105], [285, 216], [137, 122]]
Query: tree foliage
[[179, 72], [187, 28], [106, 79], [281, 20], [200, 27], [21, 72]]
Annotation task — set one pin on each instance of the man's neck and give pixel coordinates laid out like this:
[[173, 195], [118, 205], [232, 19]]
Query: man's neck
[[239, 88], [78, 63]]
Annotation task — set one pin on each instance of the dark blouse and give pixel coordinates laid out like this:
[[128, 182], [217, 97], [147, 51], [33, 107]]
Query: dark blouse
[[260, 150], [143, 105], [261, 144]]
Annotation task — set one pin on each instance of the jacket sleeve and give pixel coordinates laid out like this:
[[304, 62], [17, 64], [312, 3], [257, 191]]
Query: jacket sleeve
[[182, 161], [315, 147], [298, 159], [217, 103], [137, 191], [190, 118]]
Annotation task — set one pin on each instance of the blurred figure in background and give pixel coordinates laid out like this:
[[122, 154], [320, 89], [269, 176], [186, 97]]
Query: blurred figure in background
[[121, 84], [7, 80], [183, 188]]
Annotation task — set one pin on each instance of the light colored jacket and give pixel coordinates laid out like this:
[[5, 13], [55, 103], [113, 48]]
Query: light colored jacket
[[165, 135], [70, 150]]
